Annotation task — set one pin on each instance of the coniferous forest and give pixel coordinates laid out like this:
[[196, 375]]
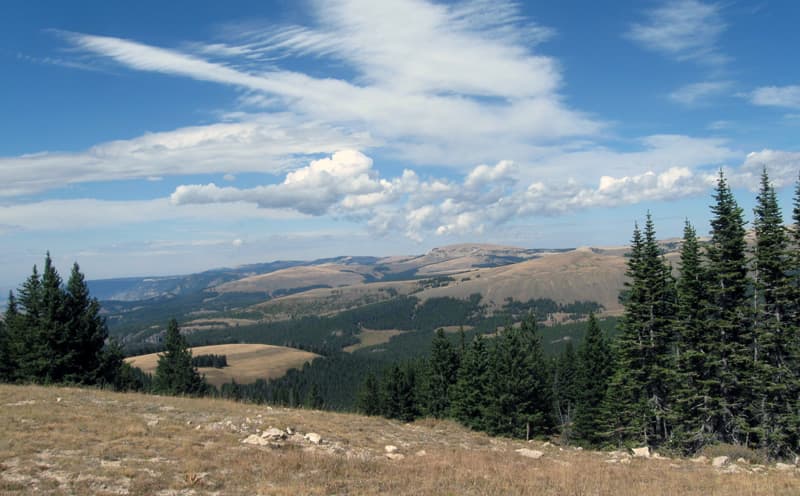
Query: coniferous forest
[[710, 355], [707, 351]]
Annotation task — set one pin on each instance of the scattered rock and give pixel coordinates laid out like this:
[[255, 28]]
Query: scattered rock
[[289, 431], [719, 461], [390, 448], [612, 460], [643, 452], [529, 453], [255, 439], [733, 469], [784, 466], [700, 459], [273, 434], [395, 456], [313, 437], [741, 460], [420, 453], [58, 400], [625, 461]]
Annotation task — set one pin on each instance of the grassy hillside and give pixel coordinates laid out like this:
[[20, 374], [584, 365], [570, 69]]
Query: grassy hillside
[[73, 441], [246, 362]]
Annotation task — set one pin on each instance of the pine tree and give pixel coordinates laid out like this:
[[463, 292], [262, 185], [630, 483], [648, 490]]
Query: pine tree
[[28, 337], [471, 391], [5, 356], [565, 371], [694, 344], [729, 319], [368, 401], [521, 399], [646, 345], [775, 383], [175, 374], [442, 375], [313, 399], [594, 371], [12, 340]]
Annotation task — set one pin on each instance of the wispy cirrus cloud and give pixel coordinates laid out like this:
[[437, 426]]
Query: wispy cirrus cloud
[[417, 87], [699, 93], [684, 30], [777, 96]]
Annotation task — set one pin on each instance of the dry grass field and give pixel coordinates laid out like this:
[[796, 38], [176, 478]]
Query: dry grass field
[[74, 441], [246, 362], [368, 337]]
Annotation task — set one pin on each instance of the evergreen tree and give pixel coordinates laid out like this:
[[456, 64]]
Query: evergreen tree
[[729, 319], [775, 382], [565, 371], [442, 375], [175, 374], [400, 395], [29, 345], [646, 345], [521, 393], [594, 371], [5, 357], [369, 400], [695, 341], [313, 399], [471, 391]]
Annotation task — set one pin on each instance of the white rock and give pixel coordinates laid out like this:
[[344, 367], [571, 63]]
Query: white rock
[[625, 461], [313, 437], [395, 456], [273, 433], [529, 453], [700, 459], [255, 439], [390, 448], [420, 453], [719, 461], [784, 466], [643, 452]]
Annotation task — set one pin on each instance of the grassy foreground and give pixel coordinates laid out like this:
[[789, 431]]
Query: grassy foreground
[[75, 441]]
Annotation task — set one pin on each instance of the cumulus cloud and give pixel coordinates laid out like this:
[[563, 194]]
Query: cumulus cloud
[[777, 96], [685, 30]]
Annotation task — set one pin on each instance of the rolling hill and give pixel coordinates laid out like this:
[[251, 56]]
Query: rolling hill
[[246, 362]]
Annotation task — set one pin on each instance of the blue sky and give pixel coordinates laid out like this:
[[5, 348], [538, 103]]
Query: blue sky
[[147, 139]]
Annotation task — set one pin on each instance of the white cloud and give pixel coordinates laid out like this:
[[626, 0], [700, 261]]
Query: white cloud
[[777, 96], [699, 93], [259, 143], [82, 214], [685, 30], [237, 243], [783, 168], [424, 72]]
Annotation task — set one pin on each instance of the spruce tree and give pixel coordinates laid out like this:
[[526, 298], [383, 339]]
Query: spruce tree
[[368, 401], [729, 319], [471, 391], [521, 393], [442, 375], [646, 344], [774, 382], [695, 341], [594, 371], [175, 374], [565, 370]]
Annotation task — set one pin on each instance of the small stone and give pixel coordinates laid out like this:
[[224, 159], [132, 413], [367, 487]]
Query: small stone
[[313, 437], [719, 461], [741, 460], [612, 460], [58, 400], [395, 456], [625, 461], [699, 459], [643, 452], [529, 453], [390, 448], [289, 431], [784, 466], [420, 453]]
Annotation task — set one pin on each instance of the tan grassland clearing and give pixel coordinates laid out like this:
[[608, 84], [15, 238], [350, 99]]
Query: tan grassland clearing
[[246, 362], [81, 441], [369, 337]]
